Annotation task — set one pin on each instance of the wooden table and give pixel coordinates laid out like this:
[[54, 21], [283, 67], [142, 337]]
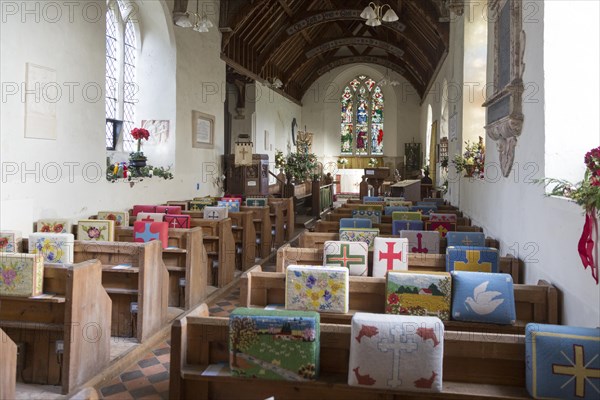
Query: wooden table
[[409, 189]]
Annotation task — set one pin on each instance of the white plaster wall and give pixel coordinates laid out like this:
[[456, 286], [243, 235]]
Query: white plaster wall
[[321, 110], [274, 113], [451, 70], [541, 231], [577, 79], [65, 177], [201, 86]]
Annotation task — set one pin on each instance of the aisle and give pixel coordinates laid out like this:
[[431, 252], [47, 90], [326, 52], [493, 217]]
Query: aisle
[[148, 378]]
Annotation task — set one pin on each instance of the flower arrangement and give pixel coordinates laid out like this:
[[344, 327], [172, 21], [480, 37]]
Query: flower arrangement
[[279, 159], [139, 134], [472, 160], [300, 165], [586, 193], [372, 162], [343, 162]]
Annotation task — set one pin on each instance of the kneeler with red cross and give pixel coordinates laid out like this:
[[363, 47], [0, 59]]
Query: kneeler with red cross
[[389, 254]]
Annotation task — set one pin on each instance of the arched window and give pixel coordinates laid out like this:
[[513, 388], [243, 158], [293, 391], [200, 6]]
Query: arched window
[[121, 50], [362, 118]]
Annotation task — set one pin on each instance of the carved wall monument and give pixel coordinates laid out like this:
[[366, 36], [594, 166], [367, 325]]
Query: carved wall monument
[[504, 116]]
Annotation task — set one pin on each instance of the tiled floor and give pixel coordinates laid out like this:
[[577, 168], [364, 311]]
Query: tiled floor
[[149, 377]]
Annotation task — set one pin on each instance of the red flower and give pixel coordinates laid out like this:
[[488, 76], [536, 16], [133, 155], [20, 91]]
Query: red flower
[[140, 133], [595, 181], [45, 228], [592, 161], [58, 228], [393, 298], [3, 243]]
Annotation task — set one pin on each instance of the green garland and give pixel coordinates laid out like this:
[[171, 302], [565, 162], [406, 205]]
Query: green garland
[[586, 193], [135, 173]]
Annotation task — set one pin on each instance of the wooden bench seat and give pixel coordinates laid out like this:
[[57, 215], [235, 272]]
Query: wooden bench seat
[[476, 365], [283, 208], [262, 228], [220, 250], [186, 263], [533, 303], [244, 234], [8, 366], [313, 255], [331, 229], [385, 219], [78, 314], [131, 273]]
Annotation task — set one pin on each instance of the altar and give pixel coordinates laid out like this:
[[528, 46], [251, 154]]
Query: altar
[[350, 180]]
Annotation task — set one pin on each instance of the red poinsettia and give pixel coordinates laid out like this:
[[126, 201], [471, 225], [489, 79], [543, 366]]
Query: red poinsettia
[[592, 161], [140, 133]]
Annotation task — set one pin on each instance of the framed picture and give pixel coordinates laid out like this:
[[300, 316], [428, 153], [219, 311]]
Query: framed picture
[[203, 130]]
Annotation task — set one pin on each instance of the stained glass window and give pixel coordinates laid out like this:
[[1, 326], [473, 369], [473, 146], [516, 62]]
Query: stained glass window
[[347, 121], [121, 50], [377, 122], [362, 118]]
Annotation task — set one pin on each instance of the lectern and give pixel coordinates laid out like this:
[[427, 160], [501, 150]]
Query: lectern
[[375, 178]]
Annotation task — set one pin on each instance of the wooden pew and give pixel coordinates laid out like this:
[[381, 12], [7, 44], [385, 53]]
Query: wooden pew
[[145, 282], [387, 219], [476, 365], [262, 228], [283, 211], [184, 204], [8, 366], [334, 228], [187, 264], [244, 234], [220, 250], [78, 314], [533, 303], [313, 255]]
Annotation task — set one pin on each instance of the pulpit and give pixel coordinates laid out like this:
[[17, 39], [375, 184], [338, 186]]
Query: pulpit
[[247, 180]]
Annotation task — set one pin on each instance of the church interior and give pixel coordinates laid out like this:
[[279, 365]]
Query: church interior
[[293, 199]]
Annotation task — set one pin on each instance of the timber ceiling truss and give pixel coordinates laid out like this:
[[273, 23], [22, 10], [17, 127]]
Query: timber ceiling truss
[[297, 41]]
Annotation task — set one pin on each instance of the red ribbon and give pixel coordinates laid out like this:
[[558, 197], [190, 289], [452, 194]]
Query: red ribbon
[[588, 250]]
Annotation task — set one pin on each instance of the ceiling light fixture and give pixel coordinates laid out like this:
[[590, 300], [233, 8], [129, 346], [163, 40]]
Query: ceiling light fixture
[[373, 14], [201, 22], [182, 19]]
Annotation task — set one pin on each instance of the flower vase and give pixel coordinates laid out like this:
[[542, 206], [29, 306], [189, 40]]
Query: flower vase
[[469, 171], [138, 163]]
